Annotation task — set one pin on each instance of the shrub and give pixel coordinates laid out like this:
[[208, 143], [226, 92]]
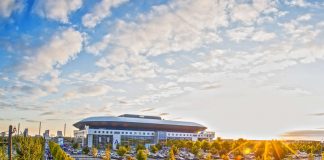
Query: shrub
[[140, 147], [171, 154], [154, 149], [122, 151], [107, 154], [86, 150], [141, 155], [94, 151]]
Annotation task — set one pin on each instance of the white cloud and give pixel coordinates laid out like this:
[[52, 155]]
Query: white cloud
[[244, 33], [100, 11], [248, 13], [170, 61], [88, 91], [263, 36], [239, 34], [301, 3], [62, 47], [7, 7], [171, 28], [304, 17], [300, 33], [245, 13], [96, 48], [57, 10]]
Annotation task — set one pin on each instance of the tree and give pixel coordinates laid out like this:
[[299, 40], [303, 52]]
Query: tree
[[154, 149], [94, 151], [140, 147], [76, 145], [129, 158], [189, 145], [171, 154], [3, 153], [141, 155], [121, 151], [57, 152], [208, 157], [107, 154], [175, 149], [86, 150], [29, 147], [205, 145]]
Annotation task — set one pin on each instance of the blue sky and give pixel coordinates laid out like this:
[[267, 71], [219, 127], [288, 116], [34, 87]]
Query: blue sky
[[244, 68]]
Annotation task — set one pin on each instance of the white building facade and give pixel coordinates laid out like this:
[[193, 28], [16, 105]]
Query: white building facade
[[130, 130]]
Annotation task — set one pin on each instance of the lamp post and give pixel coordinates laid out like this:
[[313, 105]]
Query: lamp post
[[11, 131]]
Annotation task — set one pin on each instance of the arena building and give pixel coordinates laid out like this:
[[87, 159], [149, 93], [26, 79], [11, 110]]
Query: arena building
[[131, 130]]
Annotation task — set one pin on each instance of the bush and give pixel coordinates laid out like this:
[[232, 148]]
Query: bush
[[171, 154], [107, 154], [154, 149], [129, 158], [122, 151], [141, 155], [76, 145], [140, 147], [94, 151], [86, 150]]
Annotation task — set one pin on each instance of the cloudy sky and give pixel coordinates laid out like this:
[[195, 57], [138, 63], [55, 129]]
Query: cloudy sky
[[243, 68]]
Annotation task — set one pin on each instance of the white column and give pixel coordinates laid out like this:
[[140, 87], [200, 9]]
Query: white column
[[90, 140]]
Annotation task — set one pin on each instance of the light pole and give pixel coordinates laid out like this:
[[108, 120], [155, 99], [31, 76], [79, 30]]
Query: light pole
[[11, 131]]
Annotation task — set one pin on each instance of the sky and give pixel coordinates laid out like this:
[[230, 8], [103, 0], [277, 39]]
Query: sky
[[243, 68]]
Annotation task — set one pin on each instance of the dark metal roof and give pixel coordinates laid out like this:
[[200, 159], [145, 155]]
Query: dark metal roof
[[139, 124], [140, 116]]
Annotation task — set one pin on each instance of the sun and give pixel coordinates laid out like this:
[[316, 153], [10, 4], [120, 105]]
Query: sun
[[247, 151]]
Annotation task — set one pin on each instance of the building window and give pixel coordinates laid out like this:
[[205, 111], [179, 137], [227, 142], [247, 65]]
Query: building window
[[122, 132], [98, 131], [95, 132], [126, 132], [130, 132], [110, 132]]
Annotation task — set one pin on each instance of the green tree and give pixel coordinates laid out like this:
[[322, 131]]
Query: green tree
[[86, 150], [57, 152], [121, 151], [141, 155], [94, 151], [154, 149], [28, 147], [3, 153], [76, 145]]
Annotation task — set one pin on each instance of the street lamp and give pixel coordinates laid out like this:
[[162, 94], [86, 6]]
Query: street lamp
[[11, 131]]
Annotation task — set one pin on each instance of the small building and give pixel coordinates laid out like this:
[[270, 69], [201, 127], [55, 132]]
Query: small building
[[59, 134]]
